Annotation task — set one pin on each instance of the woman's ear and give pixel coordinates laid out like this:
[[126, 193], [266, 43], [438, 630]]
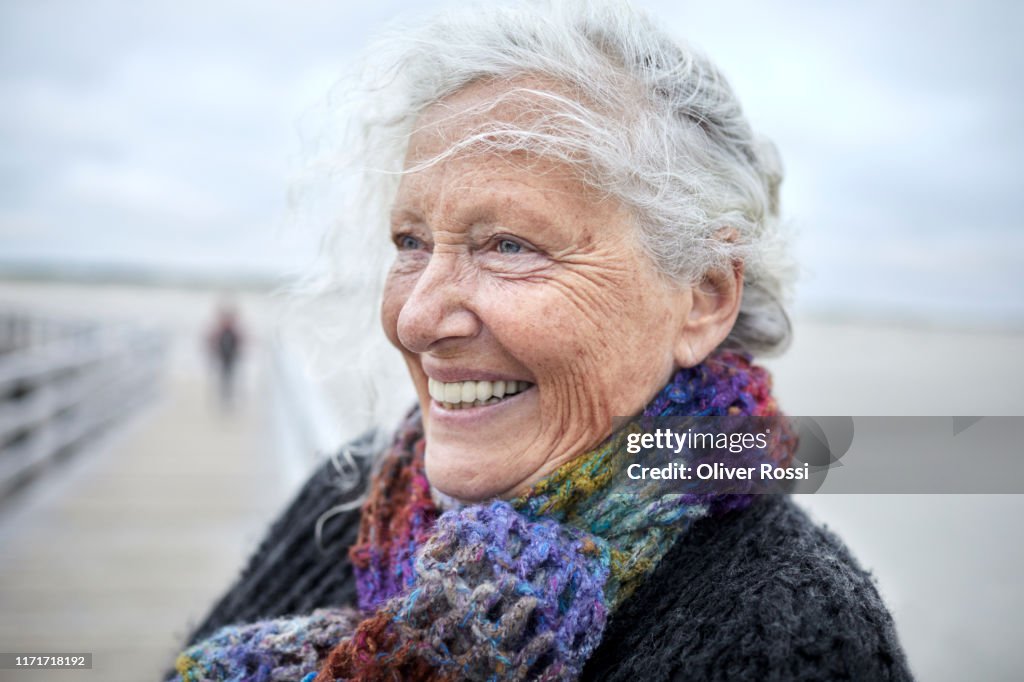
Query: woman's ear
[[715, 303]]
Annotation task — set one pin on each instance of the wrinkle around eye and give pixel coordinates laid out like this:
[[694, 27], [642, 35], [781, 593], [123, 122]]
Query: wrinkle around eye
[[409, 256], [495, 255], [520, 264]]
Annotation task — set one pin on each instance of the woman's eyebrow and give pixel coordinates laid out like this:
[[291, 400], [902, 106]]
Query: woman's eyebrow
[[497, 208]]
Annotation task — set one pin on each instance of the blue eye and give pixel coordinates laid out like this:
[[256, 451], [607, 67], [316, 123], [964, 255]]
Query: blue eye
[[406, 242], [507, 246]]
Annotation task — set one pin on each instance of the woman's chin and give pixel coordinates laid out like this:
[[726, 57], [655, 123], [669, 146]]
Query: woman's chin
[[466, 481]]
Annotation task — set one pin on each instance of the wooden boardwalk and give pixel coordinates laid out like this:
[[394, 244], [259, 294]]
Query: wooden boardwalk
[[122, 548]]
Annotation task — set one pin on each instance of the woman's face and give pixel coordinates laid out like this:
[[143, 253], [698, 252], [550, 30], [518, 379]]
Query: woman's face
[[525, 311]]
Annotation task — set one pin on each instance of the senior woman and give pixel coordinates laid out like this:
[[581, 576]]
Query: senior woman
[[584, 228]]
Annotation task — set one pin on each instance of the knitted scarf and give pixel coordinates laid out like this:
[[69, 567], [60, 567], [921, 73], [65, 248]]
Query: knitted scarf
[[507, 590]]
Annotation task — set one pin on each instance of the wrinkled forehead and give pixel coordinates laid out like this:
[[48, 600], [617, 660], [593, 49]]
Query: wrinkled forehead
[[526, 131], [491, 115]]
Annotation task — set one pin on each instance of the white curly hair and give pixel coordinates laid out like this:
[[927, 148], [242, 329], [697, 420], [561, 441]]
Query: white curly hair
[[640, 116]]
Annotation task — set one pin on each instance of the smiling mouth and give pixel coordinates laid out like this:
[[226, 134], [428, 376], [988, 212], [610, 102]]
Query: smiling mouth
[[459, 395]]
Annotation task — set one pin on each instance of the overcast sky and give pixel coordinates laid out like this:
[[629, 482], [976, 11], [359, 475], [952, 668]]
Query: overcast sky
[[165, 134]]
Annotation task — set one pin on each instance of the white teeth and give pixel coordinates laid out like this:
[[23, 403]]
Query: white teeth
[[453, 393], [483, 390], [459, 394]]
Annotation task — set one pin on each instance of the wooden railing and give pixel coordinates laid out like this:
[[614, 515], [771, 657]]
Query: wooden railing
[[62, 382]]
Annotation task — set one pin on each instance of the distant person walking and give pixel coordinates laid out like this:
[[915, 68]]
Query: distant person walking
[[225, 345]]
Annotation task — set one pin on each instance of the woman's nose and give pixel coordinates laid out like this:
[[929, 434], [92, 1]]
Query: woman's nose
[[436, 314]]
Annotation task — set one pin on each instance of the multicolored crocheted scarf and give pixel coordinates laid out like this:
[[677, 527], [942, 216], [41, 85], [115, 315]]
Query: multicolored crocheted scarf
[[509, 590]]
